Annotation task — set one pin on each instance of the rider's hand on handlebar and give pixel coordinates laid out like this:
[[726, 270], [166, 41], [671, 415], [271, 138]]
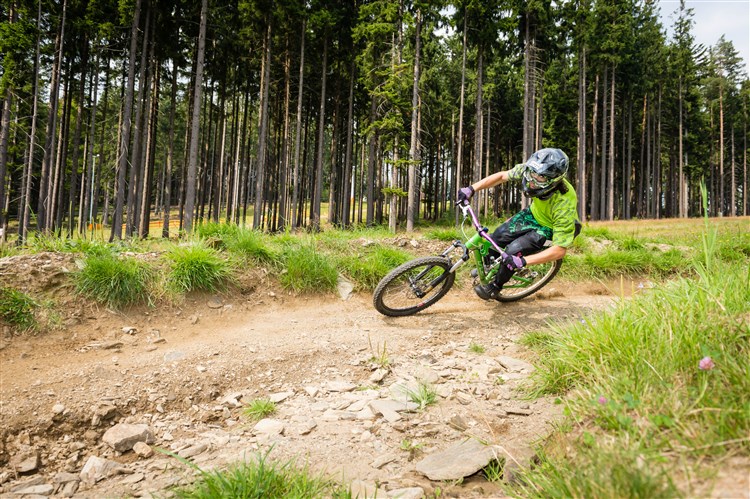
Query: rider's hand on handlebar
[[464, 194], [514, 262]]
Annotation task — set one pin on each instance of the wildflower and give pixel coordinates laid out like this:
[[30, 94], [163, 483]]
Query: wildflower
[[602, 400], [706, 364]]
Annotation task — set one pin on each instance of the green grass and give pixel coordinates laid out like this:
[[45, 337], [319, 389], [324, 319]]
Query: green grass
[[666, 373], [371, 264], [306, 269], [18, 310], [114, 281], [261, 479], [196, 267], [424, 395], [252, 245], [476, 347], [259, 409]]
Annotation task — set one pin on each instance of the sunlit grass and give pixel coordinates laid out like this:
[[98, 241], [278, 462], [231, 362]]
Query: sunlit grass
[[115, 281], [18, 310], [196, 267]]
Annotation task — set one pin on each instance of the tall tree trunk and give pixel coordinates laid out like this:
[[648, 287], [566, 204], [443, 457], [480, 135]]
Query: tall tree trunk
[[45, 187], [258, 218], [594, 144], [167, 201], [284, 164], [348, 168], [88, 203], [122, 162], [144, 201], [77, 137], [412, 210], [611, 172], [682, 210], [720, 198], [318, 186], [581, 170], [371, 162], [192, 167], [460, 137], [298, 128], [479, 123], [23, 226], [4, 135]]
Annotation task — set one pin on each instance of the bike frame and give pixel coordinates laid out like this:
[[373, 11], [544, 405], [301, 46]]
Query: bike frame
[[480, 245]]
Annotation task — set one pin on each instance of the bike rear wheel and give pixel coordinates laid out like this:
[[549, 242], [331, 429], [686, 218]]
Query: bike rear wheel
[[413, 286], [529, 280]]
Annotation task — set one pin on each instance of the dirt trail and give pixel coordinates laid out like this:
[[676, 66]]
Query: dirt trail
[[188, 371]]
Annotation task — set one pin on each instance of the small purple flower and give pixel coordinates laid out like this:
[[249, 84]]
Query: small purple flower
[[602, 400], [706, 364]]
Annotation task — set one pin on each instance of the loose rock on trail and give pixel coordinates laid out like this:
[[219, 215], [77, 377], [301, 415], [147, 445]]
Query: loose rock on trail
[[102, 406]]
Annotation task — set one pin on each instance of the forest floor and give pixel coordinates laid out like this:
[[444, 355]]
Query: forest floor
[[188, 371]]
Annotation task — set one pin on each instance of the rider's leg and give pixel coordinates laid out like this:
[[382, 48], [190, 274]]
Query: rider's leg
[[525, 242]]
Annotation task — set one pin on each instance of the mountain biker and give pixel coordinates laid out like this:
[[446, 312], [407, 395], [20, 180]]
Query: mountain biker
[[552, 215]]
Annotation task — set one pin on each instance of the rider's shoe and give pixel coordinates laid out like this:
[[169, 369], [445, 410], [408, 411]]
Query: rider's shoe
[[487, 291]]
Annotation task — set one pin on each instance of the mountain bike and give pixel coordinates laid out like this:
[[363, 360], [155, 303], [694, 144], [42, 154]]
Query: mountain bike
[[420, 283]]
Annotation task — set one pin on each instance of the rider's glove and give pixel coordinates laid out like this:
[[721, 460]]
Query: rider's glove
[[514, 262], [465, 193]]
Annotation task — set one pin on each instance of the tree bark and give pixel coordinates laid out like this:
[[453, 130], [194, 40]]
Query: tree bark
[[318, 186], [258, 218], [412, 210], [195, 124]]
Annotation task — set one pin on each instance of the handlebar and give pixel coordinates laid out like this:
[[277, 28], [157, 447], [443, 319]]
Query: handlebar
[[466, 209]]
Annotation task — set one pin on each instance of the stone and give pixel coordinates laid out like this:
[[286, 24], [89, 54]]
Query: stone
[[457, 461], [514, 365], [26, 461], [97, 468], [344, 287], [312, 391], [44, 489], [427, 375], [143, 449], [520, 460], [215, 302], [134, 478], [280, 397], [307, 426], [122, 437], [382, 460], [58, 409], [386, 410], [269, 427], [407, 493], [173, 355], [378, 375], [68, 489], [520, 412], [458, 423], [340, 386], [193, 450]]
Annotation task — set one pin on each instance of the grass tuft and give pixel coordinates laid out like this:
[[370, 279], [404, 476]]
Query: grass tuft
[[251, 244], [367, 269], [306, 269], [196, 267], [261, 478], [116, 282], [259, 409], [18, 310], [423, 395]]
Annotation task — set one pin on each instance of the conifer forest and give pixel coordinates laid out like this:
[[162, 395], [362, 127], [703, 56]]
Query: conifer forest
[[137, 116]]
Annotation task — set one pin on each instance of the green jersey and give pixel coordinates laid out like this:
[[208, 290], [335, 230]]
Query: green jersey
[[559, 212]]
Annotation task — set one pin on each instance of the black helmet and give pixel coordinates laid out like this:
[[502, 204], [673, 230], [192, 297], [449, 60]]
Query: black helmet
[[544, 171]]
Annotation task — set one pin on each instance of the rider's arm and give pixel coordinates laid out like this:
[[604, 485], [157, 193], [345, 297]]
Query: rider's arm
[[491, 181], [548, 255]]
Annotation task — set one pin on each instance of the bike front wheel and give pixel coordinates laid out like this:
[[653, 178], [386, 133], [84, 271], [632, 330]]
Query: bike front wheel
[[413, 286], [528, 281]]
